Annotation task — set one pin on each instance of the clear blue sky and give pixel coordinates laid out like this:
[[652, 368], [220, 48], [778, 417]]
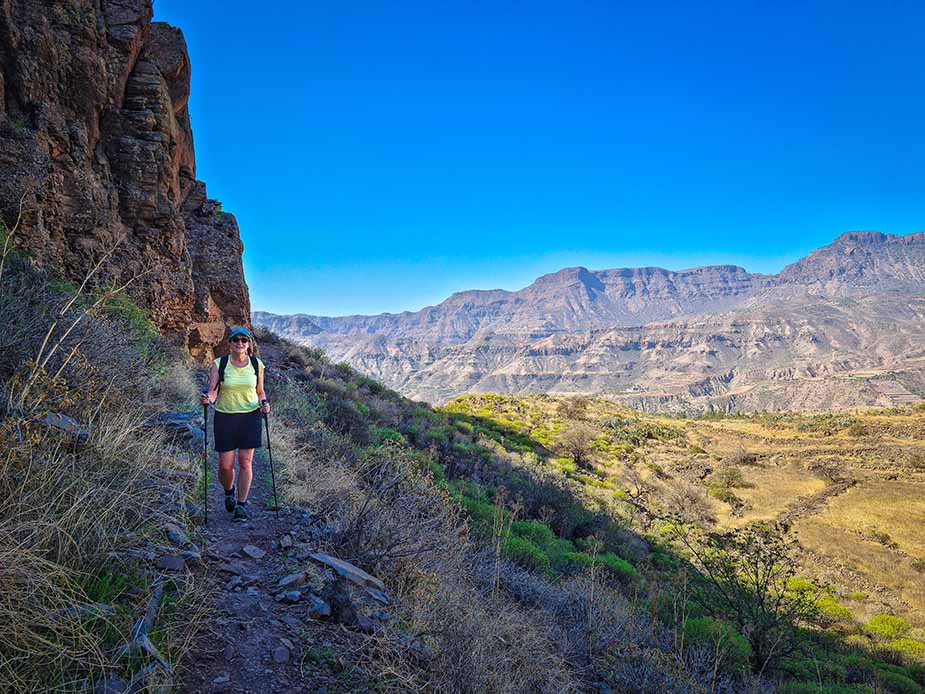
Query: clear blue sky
[[379, 156]]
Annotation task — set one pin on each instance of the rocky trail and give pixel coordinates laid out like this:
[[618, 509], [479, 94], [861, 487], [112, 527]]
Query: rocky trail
[[269, 624]]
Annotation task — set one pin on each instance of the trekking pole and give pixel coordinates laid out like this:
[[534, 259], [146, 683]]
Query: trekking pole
[[266, 420], [205, 461]]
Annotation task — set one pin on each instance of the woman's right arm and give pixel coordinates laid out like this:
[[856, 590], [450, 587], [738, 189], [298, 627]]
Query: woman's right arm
[[212, 393]]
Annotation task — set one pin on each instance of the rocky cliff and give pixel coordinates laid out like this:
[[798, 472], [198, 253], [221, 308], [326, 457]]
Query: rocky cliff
[[96, 147], [843, 326]]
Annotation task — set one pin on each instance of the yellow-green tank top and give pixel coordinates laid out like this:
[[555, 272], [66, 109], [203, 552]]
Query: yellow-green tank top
[[238, 392]]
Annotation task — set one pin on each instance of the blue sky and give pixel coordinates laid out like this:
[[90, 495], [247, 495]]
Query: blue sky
[[380, 156]]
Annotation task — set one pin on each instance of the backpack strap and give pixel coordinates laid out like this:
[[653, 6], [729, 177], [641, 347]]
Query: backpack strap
[[256, 367]]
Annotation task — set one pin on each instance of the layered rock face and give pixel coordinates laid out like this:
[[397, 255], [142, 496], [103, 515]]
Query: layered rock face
[[841, 327], [96, 147]]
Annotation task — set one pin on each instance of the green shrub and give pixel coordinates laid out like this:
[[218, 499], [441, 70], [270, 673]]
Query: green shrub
[[910, 650], [723, 493], [619, 567], [441, 435], [887, 627], [538, 533], [342, 416], [437, 472], [858, 667], [899, 684], [610, 562], [481, 513], [813, 688], [729, 476], [523, 552], [831, 612], [378, 435], [714, 635]]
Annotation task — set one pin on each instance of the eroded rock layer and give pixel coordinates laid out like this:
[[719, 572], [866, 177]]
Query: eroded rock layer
[[841, 327], [96, 147]]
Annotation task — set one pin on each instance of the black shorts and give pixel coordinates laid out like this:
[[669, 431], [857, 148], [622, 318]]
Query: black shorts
[[239, 430]]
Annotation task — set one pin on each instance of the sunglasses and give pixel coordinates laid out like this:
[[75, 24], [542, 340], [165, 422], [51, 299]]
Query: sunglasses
[[240, 339]]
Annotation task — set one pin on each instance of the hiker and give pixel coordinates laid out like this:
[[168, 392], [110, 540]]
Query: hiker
[[236, 388]]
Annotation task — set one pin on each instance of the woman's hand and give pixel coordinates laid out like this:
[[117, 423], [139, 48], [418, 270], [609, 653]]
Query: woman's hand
[[265, 407], [205, 399]]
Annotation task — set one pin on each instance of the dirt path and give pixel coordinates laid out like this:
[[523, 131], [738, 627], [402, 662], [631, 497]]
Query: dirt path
[[251, 641]]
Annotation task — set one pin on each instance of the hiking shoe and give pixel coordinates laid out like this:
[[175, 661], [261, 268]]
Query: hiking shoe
[[240, 514], [230, 502]]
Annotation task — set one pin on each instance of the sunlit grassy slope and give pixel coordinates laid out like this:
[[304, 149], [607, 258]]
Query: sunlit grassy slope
[[852, 486]]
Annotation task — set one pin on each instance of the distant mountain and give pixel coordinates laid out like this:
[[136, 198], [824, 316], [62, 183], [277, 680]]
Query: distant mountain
[[843, 326]]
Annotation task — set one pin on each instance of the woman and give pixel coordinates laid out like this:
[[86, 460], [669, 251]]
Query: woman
[[239, 400]]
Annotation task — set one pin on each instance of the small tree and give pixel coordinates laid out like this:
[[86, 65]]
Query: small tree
[[574, 407], [575, 442], [746, 578]]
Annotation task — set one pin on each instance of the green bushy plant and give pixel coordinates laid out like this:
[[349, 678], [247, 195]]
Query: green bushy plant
[[719, 637], [897, 683], [523, 552], [887, 627], [909, 650]]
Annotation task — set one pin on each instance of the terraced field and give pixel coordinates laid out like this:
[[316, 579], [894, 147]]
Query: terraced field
[[850, 486]]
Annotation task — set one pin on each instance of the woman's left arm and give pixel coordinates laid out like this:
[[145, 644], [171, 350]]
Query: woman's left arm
[[261, 395]]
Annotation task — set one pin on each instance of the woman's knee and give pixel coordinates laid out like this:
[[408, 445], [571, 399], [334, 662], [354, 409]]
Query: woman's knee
[[226, 460], [245, 458]]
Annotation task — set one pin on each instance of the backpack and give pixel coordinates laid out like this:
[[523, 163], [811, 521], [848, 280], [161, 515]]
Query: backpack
[[223, 362]]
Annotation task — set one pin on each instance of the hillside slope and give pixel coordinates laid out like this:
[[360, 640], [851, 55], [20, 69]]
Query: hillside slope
[[839, 328]]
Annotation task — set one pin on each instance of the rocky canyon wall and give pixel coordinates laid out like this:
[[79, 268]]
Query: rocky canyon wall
[[96, 147]]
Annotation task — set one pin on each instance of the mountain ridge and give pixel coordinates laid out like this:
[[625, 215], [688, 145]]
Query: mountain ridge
[[571, 332]]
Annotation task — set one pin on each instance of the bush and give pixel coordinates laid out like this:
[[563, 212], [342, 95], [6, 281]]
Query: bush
[[899, 684], [857, 429], [729, 476], [724, 494], [523, 552], [719, 637], [887, 627], [813, 688], [619, 567], [614, 565], [343, 417], [909, 650], [830, 612], [740, 457], [538, 533], [378, 435]]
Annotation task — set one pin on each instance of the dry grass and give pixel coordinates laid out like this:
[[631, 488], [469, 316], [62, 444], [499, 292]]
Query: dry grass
[[876, 530], [74, 511], [64, 515], [873, 531], [772, 490]]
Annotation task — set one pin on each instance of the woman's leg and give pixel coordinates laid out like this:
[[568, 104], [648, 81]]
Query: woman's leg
[[245, 473], [226, 469]]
